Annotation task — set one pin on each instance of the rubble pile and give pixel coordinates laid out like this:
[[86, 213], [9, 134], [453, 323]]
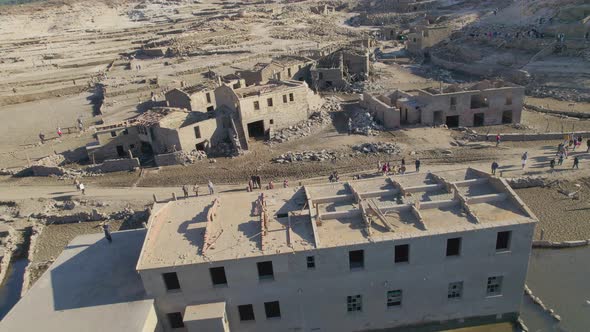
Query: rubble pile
[[315, 122], [223, 149], [577, 95], [364, 124], [291, 157], [379, 147]]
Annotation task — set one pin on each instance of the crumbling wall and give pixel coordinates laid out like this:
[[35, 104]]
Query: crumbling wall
[[115, 165], [388, 115], [41, 170]]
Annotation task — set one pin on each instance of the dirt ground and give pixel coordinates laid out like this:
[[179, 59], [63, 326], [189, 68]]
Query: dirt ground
[[561, 218]]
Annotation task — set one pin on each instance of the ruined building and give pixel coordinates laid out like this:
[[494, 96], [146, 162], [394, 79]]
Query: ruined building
[[203, 118], [341, 68], [286, 67], [481, 104], [422, 38], [444, 249]]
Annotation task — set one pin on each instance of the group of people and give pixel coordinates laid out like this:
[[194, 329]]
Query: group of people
[[59, 132], [185, 189], [387, 168], [80, 186]]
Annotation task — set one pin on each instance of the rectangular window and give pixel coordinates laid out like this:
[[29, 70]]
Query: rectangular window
[[256, 105], [356, 259], [175, 320], [272, 309], [503, 241], [171, 281], [311, 262], [402, 253], [354, 303], [246, 312], [453, 246], [494, 286], [265, 270], [394, 298], [284, 99], [208, 96], [291, 97], [271, 121], [453, 101], [218, 275], [210, 109], [197, 132], [269, 102], [455, 290], [113, 134]]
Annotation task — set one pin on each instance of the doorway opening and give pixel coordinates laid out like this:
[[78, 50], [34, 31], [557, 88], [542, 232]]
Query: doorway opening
[[478, 119], [507, 117], [256, 129], [452, 121], [121, 151]]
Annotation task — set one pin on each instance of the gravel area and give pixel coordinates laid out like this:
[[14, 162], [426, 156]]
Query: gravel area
[[562, 218]]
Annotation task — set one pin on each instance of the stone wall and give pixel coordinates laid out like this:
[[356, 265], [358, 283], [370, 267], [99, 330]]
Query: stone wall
[[115, 165], [528, 137], [41, 170], [388, 115], [169, 159]]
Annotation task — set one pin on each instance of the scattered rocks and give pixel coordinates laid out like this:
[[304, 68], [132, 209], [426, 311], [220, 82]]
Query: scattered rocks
[[379, 147], [291, 157], [526, 182], [364, 124]]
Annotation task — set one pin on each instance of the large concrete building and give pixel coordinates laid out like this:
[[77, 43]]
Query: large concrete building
[[286, 67], [481, 104], [422, 38], [450, 248]]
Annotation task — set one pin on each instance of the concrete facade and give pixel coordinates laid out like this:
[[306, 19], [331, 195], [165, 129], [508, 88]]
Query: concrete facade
[[286, 67], [482, 104], [199, 98], [328, 292], [275, 105], [421, 39]]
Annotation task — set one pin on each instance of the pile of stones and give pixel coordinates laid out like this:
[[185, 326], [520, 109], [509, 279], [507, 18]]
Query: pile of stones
[[223, 149], [291, 157], [379, 147], [315, 122], [363, 124]]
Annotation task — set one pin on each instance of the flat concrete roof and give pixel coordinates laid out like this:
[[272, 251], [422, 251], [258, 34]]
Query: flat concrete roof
[[91, 286], [328, 215]]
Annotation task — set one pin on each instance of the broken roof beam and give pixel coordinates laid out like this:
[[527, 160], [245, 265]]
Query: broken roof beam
[[366, 218], [441, 180], [464, 205], [355, 193], [313, 216], [397, 185], [415, 209], [208, 239], [380, 215]]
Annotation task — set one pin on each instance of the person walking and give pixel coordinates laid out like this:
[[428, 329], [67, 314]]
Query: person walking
[[403, 161], [524, 158], [211, 188], [576, 163], [588, 146], [59, 132], [498, 138], [196, 190], [552, 164], [107, 231], [417, 163], [80, 125], [560, 160], [250, 185], [285, 183], [349, 126], [83, 188], [42, 138], [185, 190], [494, 167]]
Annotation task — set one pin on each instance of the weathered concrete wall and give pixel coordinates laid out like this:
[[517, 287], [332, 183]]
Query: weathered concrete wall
[[355, 63], [115, 165], [317, 298], [169, 159], [388, 115], [212, 132], [40, 170], [327, 78], [127, 138], [179, 99]]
